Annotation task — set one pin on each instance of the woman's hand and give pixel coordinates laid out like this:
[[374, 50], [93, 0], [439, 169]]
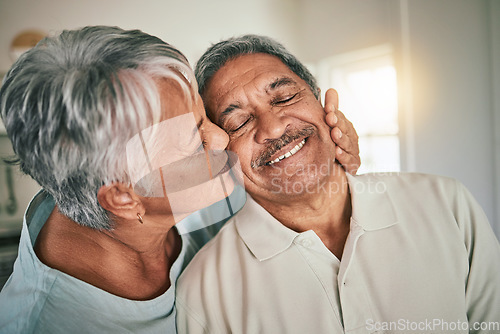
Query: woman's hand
[[343, 134]]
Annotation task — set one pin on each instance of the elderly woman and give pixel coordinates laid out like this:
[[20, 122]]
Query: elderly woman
[[110, 124]]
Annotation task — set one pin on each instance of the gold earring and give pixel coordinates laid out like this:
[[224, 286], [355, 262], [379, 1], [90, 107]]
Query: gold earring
[[139, 217]]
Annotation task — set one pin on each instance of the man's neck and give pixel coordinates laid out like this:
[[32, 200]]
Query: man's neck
[[326, 212]]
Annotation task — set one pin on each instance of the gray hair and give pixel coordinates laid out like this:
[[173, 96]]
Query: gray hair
[[220, 53], [71, 103]]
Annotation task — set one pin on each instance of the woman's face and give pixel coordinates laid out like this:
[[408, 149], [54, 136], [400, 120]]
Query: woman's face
[[182, 159]]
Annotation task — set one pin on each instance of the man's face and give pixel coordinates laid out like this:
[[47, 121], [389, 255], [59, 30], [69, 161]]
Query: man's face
[[275, 125]]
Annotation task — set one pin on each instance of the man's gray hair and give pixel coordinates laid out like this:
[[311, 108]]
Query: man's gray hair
[[71, 103], [220, 53]]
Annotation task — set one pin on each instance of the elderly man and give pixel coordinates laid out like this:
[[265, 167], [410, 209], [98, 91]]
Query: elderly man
[[316, 250]]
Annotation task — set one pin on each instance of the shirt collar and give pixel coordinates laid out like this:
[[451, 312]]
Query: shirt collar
[[265, 236], [372, 207]]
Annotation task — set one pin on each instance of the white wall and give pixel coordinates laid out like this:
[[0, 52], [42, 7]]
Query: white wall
[[451, 76], [190, 25], [494, 21], [451, 59], [330, 27]]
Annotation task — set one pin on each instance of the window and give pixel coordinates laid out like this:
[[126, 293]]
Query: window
[[367, 87]]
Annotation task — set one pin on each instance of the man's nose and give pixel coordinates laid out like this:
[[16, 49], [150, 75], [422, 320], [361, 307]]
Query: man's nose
[[270, 125]]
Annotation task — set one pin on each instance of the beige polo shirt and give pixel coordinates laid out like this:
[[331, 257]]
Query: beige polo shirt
[[420, 257]]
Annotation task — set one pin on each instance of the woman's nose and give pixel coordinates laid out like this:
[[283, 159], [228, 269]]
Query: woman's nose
[[215, 137]]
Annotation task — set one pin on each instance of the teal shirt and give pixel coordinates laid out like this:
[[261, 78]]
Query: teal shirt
[[40, 299]]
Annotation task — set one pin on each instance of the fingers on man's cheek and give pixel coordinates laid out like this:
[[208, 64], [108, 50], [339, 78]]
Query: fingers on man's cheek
[[350, 162], [343, 142], [329, 108], [336, 134], [332, 97], [342, 157], [331, 119], [342, 124]]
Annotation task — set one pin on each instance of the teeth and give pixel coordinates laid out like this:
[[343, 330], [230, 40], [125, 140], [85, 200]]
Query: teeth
[[290, 153]]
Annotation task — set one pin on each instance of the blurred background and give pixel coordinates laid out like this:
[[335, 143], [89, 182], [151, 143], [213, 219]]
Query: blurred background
[[420, 79]]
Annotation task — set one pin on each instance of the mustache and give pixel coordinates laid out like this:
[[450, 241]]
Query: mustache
[[275, 145]]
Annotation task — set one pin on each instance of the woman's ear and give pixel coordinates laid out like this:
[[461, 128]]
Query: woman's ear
[[120, 200]]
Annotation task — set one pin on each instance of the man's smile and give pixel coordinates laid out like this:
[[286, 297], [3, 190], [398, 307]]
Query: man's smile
[[294, 150], [284, 147]]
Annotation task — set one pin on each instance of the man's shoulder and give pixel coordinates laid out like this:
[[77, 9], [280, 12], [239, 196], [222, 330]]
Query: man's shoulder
[[401, 177], [429, 197], [413, 182], [210, 273], [215, 258], [227, 234]]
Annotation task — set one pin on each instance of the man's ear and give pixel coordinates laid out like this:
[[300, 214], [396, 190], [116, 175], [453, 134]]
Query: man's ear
[[120, 200], [319, 95]]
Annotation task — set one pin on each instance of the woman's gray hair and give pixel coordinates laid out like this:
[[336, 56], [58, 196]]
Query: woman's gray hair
[[218, 54], [71, 103]]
